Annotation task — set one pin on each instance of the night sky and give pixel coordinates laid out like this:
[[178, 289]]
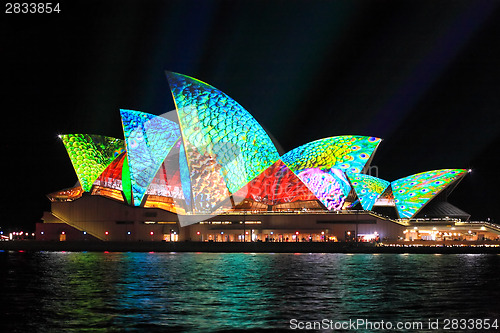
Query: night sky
[[422, 75]]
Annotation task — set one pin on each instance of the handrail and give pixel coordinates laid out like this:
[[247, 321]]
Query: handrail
[[490, 225], [312, 212]]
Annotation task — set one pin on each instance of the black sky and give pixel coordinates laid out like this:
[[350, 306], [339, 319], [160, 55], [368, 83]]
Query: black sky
[[422, 75]]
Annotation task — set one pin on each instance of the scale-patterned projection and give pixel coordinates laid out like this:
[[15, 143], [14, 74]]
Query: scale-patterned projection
[[90, 155], [331, 187], [367, 188], [215, 126], [413, 192], [210, 157], [208, 188], [276, 185], [321, 165], [148, 139], [348, 153]]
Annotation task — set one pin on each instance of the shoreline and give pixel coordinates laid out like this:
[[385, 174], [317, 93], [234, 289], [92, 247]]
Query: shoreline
[[248, 247]]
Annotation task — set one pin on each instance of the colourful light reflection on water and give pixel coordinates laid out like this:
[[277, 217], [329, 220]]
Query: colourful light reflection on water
[[54, 291]]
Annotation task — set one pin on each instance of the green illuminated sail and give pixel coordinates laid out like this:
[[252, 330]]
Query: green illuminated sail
[[90, 155], [126, 185]]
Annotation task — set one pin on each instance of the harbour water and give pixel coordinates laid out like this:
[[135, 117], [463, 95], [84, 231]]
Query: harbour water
[[218, 292]]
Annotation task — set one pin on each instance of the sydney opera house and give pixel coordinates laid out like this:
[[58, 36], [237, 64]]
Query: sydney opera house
[[209, 172]]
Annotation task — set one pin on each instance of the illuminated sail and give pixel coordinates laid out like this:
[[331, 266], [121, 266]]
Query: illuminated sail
[[224, 146], [90, 155], [321, 165], [367, 188], [148, 139], [412, 193], [216, 126]]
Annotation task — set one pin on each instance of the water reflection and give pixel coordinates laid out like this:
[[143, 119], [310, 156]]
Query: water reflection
[[215, 292]]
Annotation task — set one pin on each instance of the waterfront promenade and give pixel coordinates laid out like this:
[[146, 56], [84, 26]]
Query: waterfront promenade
[[256, 247]]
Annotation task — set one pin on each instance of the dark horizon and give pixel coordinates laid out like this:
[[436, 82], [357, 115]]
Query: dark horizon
[[422, 75]]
